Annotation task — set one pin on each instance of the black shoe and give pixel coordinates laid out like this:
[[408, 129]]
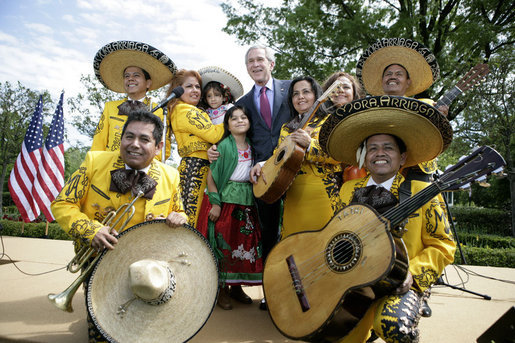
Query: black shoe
[[262, 305], [237, 293], [425, 309]]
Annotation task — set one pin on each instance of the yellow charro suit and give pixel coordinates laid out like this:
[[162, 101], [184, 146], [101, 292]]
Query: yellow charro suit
[[108, 133], [315, 189], [85, 199], [430, 246], [194, 134]]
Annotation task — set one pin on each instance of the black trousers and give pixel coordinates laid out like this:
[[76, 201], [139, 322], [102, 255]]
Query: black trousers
[[269, 219]]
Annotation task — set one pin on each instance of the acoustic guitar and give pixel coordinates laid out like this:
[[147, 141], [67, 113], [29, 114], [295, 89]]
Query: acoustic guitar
[[282, 167], [308, 275]]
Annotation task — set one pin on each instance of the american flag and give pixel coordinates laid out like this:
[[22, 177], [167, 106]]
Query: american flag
[[24, 172], [50, 177]]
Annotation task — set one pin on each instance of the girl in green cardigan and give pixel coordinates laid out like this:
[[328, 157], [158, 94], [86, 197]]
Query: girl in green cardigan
[[232, 224]]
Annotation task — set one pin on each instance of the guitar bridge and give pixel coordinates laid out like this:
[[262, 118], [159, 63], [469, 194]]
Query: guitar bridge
[[297, 283]]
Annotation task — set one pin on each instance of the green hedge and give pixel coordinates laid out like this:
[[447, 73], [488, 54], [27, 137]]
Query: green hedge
[[33, 230], [482, 220], [486, 241], [486, 257]]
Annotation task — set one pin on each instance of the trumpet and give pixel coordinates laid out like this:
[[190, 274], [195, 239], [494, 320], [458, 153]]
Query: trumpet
[[63, 300]]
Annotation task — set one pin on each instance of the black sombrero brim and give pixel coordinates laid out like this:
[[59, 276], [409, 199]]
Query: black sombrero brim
[[424, 130], [417, 59], [113, 58]]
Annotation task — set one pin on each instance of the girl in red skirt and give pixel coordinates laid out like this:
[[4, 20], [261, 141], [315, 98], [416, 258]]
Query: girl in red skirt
[[232, 222]]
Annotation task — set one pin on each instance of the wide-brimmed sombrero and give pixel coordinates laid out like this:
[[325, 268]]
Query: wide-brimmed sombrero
[[113, 58], [158, 285], [417, 59], [218, 74], [425, 131]]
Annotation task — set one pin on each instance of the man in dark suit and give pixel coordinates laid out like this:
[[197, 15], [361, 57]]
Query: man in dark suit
[[264, 132], [268, 110]]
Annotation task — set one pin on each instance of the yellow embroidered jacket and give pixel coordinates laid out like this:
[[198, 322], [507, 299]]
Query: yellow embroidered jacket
[[108, 133], [428, 239], [85, 199], [193, 130]]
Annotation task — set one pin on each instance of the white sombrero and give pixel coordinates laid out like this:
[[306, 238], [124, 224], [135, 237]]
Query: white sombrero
[[425, 131], [417, 59], [113, 58], [218, 74], [159, 285]]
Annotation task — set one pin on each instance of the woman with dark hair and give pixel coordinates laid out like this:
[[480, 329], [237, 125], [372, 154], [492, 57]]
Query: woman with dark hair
[[313, 196], [194, 134]]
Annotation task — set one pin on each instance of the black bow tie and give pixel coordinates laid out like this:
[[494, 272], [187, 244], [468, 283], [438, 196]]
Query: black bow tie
[[129, 106], [123, 180], [379, 198]]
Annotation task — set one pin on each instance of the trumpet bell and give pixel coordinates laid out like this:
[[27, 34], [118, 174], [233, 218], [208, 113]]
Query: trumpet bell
[[62, 301]]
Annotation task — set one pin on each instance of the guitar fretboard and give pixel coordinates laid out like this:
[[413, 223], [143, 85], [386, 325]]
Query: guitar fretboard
[[448, 97]]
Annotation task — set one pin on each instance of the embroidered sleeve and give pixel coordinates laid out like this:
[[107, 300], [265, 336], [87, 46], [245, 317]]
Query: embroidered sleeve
[[67, 207]]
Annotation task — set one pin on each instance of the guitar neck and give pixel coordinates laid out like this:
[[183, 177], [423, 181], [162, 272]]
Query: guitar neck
[[448, 97], [307, 117], [398, 214]]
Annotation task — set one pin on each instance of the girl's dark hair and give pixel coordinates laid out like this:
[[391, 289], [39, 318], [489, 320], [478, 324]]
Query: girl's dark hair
[[217, 87], [295, 119], [228, 115]]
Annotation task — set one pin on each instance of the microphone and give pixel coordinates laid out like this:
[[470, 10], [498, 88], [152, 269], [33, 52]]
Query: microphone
[[176, 93]]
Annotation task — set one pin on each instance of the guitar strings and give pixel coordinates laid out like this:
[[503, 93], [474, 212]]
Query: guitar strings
[[315, 265]]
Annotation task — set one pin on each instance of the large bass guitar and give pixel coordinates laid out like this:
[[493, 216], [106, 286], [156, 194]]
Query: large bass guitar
[[282, 167], [308, 275]]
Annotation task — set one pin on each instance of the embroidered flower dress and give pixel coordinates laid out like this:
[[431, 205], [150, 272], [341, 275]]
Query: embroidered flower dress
[[217, 114], [236, 235]]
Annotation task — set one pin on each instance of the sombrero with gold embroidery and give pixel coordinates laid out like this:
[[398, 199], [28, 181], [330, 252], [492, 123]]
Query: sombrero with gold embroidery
[[425, 131], [417, 59], [112, 59], [158, 285], [221, 75]]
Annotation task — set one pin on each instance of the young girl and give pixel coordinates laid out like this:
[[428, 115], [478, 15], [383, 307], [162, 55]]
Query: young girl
[[216, 100], [221, 89], [232, 224]]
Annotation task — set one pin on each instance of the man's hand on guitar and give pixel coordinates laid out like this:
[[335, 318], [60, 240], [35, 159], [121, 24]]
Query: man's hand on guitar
[[301, 137], [443, 110], [255, 173], [104, 239], [212, 153], [406, 284]]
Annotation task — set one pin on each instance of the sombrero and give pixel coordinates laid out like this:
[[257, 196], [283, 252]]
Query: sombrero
[[113, 58], [159, 285], [224, 77], [417, 59], [424, 130]]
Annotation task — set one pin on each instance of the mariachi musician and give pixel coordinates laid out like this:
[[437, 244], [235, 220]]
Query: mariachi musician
[[133, 68], [387, 133], [106, 180]]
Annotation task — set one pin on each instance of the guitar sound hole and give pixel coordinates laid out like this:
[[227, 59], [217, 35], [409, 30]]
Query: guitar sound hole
[[280, 156], [343, 252]]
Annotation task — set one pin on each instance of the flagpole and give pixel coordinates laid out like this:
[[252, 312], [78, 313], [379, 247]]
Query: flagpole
[[46, 230]]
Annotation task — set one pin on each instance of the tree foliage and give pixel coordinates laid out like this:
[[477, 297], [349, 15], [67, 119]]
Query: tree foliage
[[316, 38]]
